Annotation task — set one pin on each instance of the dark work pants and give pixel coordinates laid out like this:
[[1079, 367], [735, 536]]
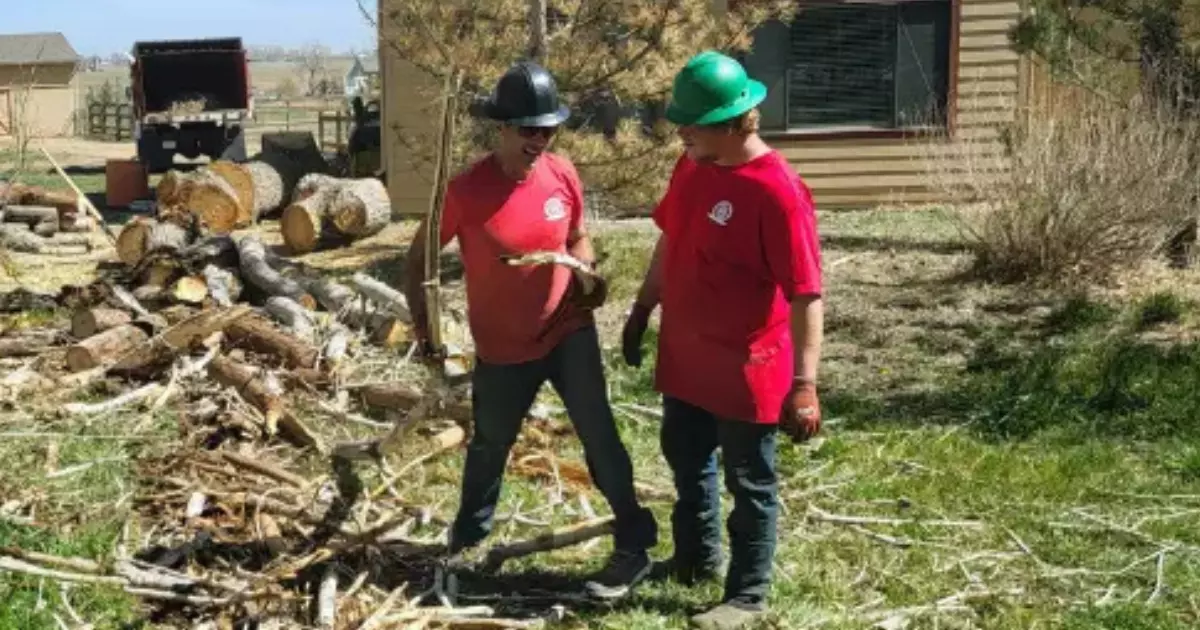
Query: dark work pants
[[503, 394], [690, 438]]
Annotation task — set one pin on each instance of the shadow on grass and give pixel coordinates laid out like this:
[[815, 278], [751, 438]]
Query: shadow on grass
[[884, 244]]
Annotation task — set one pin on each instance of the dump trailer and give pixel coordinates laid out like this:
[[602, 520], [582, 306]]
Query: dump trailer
[[192, 98]]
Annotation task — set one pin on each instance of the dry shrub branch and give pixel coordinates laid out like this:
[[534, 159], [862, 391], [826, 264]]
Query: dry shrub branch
[[1089, 187]]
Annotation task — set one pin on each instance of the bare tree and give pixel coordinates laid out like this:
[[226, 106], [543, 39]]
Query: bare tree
[[313, 62]]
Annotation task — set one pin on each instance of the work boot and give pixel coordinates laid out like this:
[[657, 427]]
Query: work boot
[[727, 616], [620, 574], [687, 573]]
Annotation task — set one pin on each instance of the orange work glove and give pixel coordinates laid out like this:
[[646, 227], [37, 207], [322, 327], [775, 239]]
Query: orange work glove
[[801, 414]]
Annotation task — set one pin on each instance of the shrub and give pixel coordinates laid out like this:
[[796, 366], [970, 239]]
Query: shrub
[[1079, 193]]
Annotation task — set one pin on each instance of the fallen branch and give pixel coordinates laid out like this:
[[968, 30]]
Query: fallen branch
[[556, 539], [265, 469], [817, 514]]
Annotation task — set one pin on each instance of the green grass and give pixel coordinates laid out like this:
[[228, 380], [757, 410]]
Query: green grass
[[1063, 426]]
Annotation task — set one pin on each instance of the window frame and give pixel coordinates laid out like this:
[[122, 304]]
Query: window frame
[[852, 132]]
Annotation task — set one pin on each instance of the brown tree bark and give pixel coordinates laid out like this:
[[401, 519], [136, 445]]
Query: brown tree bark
[[107, 346]]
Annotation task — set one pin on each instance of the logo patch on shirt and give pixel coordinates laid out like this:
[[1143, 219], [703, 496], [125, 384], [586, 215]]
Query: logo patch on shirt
[[555, 209], [721, 213]]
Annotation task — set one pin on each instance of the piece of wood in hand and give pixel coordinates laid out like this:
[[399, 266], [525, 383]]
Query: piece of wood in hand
[[582, 272], [88, 322], [102, 348], [190, 290], [260, 335], [361, 207]]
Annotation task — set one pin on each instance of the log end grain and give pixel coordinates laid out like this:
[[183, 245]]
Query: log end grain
[[104, 347], [131, 242], [239, 179], [301, 228]]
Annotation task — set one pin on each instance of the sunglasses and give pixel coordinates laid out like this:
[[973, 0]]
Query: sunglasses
[[531, 132]]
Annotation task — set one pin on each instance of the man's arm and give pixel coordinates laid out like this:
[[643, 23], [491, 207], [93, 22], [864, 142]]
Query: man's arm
[[579, 246], [808, 329], [650, 292]]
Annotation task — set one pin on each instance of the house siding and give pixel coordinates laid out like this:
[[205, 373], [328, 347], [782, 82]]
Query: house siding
[[409, 186], [863, 172], [49, 103]]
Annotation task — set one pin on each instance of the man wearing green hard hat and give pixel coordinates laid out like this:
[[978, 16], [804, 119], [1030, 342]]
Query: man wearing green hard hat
[[737, 271]]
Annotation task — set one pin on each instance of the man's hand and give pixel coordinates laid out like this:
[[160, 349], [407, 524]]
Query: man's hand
[[801, 414], [631, 335], [588, 300]]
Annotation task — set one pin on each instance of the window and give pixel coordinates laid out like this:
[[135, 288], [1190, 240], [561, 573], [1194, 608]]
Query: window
[[851, 66]]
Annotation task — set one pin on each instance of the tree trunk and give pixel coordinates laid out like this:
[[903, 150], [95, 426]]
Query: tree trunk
[[332, 296], [27, 345], [258, 334], [403, 397], [151, 357], [109, 345], [214, 202], [258, 272], [89, 322], [142, 236], [238, 178], [214, 250], [361, 207], [538, 36], [268, 188], [313, 182], [170, 188]]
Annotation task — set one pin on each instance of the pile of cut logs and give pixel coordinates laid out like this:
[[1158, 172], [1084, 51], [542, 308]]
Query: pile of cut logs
[[34, 220]]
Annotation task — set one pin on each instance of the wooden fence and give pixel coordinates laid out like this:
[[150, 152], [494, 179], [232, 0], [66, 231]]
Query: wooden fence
[[112, 122]]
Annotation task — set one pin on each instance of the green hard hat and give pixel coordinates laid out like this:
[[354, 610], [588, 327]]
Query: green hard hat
[[712, 88]]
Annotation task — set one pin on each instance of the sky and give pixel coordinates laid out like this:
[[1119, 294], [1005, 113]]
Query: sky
[[103, 27]]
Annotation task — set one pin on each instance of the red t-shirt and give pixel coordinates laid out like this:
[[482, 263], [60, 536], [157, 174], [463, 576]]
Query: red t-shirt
[[511, 310], [741, 243]]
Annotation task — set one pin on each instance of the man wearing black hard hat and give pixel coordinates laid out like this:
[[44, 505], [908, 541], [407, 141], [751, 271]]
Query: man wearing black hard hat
[[532, 324]]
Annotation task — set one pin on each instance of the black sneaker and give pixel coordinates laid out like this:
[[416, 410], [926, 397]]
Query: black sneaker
[[622, 572], [687, 574]]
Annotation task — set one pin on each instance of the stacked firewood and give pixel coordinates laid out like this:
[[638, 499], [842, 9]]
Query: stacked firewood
[[34, 220]]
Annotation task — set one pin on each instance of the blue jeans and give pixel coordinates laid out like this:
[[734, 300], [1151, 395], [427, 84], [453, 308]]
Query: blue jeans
[[690, 438], [501, 397]]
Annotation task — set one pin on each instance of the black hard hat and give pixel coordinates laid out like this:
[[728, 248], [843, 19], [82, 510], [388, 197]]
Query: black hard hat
[[526, 96]]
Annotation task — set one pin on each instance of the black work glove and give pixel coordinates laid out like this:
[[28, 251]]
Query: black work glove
[[589, 300], [631, 335]]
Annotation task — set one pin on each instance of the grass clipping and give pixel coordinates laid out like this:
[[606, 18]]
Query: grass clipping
[[1090, 188]]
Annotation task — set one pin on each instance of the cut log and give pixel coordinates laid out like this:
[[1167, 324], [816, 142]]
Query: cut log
[[27, 345], [63, 238], [89, 322], [150, 357], [17, 237], [336, 347], [239, 179], [361, 207], [311, 183], [303, 222], [190, 290], [245, 380], [403, 397], [46, 229], [292, 315], [107, 346], [129, 301], [169, 188], [258, 334], [160, 272], [131, 242], [257, 271], [223, 286], [214, 202], [77, 223], [30, 215], [213, 250], [168, 236], [268, 188], [387, 298]]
